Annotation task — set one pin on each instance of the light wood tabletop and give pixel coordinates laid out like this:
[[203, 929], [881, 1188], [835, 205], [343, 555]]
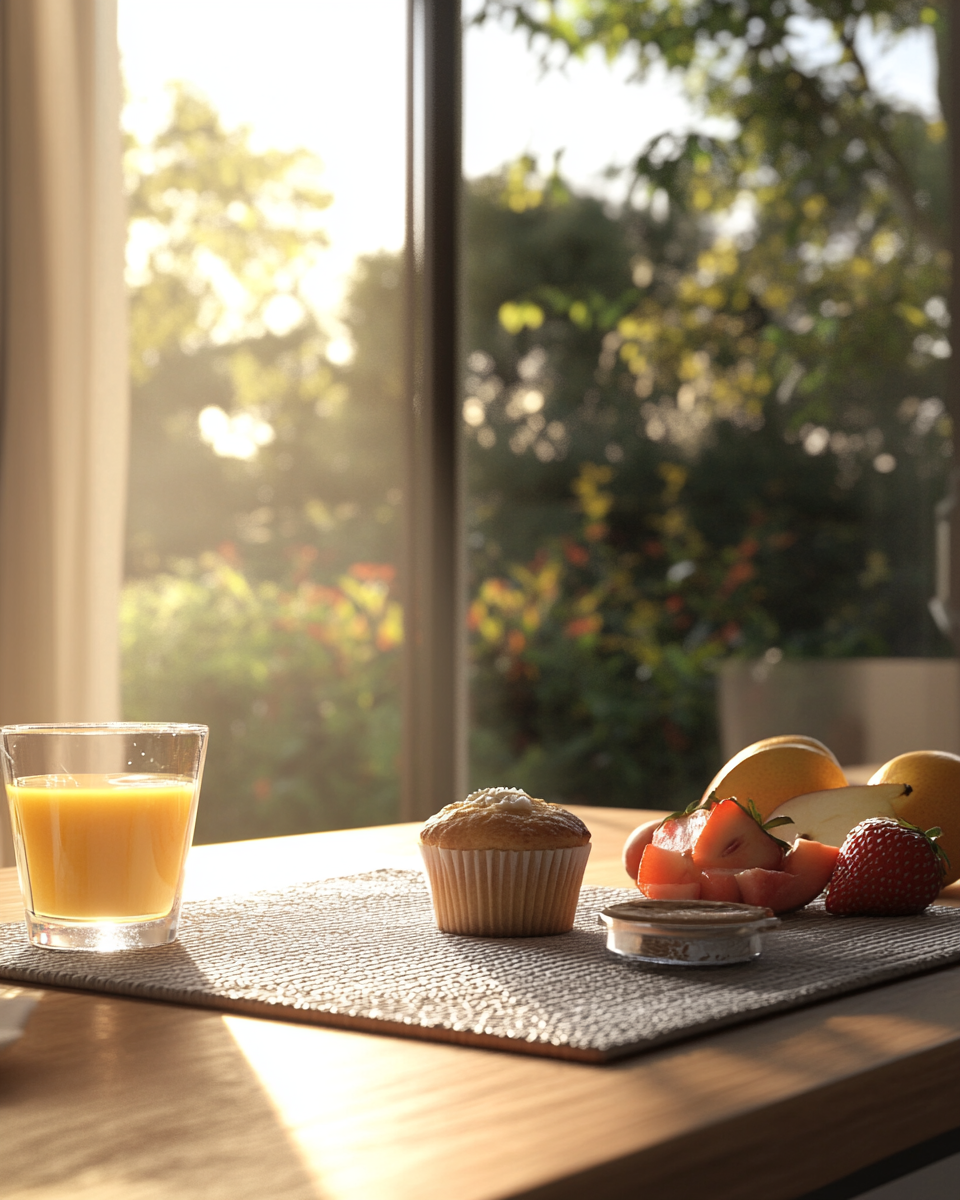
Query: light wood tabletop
[[116, 1099]]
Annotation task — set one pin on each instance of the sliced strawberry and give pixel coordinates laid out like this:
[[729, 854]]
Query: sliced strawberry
[[732, 838], [774, 889], [807, 870], [671, 891], [659, 866], [681, 832], [812, 860], [723, 850], [717, 884]]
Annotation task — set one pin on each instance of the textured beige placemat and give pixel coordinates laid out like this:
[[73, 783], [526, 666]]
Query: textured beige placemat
[[363, 952]]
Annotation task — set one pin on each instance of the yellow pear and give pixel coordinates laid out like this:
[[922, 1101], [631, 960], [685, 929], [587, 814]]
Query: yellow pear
[[934, 776], [801, 739], [829, 816], [770, 774]]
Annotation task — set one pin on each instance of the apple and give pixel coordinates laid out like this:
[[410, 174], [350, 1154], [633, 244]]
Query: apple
[[829, 816]]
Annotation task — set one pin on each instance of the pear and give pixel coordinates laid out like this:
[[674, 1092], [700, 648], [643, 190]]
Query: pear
[[830, 815]]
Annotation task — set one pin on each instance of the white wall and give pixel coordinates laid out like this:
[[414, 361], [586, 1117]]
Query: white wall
[[867, 710]]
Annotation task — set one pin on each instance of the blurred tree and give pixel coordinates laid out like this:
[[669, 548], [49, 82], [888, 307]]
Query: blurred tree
[[217, 233], [841, 201], [243, 430], [763, 394], [264, 486], [707, 425], [298, 682]]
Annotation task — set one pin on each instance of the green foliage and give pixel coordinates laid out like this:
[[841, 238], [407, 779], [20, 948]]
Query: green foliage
[[241, 608], [226, 222], [708, 425], [297, 680], [753, 397], [847, 196], [217, 232]]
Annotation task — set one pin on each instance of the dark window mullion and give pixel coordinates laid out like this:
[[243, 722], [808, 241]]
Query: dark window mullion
[[434, 733]]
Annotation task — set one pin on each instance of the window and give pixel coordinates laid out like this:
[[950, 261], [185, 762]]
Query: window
[[266, 194], [707, 336], [698, 383]]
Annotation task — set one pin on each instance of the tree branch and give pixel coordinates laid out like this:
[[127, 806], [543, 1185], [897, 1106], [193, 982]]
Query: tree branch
[[894, 166]]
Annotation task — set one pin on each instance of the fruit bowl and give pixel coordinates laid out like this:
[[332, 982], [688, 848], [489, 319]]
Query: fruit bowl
[[691, 933]]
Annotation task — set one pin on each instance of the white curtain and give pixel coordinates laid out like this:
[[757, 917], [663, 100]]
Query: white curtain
[[64, 384]]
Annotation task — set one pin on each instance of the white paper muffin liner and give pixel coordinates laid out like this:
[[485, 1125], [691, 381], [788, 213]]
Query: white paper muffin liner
[[505, 893]]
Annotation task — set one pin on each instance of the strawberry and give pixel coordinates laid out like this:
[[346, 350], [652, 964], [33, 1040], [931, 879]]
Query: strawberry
[[886, 868]]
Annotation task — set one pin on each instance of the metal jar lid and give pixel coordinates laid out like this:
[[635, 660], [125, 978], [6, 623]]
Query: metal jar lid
[[686, 932]]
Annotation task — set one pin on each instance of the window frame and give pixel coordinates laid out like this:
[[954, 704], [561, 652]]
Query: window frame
[[434, 757], [435, 708]]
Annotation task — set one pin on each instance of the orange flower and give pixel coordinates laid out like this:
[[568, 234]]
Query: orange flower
[[739, 573], [577, 555], [368, 572], [583, 626], [516, 641]]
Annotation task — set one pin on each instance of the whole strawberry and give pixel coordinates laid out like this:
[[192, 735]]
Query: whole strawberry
[[886, 868]]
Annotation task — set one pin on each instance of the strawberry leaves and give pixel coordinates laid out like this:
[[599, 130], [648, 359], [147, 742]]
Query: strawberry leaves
[[747, 806], [774, 823], [691, 808], [931, 836]]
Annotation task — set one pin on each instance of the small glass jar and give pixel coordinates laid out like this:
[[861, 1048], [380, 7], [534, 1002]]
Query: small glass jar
[[686, 933]]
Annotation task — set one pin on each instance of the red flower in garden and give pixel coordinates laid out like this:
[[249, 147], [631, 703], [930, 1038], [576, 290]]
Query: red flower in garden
[[739, 573], [516, 642], [583, 626], [577, 556], [371, 572]]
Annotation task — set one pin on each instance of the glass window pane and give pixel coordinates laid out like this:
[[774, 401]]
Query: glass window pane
[[708, 336], [266, 192]]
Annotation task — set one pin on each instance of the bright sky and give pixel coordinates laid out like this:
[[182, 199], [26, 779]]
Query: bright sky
[[305, 73], [300, 73]]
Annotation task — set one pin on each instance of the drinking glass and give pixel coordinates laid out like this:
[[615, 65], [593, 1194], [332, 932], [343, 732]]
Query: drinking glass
[[103, 817]]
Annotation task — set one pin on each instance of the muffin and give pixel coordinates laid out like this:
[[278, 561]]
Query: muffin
[[502, 864]]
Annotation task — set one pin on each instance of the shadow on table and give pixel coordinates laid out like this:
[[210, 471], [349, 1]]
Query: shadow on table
[[131, 1099]]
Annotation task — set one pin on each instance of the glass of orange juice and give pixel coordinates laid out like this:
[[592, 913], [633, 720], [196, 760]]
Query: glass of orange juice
[[102, 819]]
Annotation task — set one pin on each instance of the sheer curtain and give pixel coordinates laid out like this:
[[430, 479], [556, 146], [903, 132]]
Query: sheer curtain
[[64, 385]]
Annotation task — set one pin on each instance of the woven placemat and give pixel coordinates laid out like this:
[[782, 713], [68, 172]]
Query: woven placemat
[[362, 952]]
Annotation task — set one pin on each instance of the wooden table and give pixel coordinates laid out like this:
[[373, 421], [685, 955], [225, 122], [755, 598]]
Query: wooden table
[[118, 1099]]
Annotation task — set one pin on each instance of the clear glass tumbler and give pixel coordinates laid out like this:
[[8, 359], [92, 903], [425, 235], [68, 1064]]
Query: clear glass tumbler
[[103, 818]]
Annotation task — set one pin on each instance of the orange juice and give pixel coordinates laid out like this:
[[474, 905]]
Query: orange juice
[[103, 847]]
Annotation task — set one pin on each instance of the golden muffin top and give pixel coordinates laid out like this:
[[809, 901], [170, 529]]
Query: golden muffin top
[[504, 818]]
